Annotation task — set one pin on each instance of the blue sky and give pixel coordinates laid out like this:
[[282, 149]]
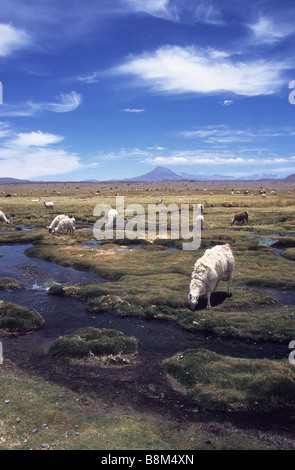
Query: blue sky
[[110, 89]]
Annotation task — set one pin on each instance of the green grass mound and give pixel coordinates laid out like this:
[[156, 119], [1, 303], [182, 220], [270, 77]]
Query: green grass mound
[[276, 325], [15, 319], [93, 341], [289, 253], [20, 237], [218, 382], [108, 302], [9, 283]]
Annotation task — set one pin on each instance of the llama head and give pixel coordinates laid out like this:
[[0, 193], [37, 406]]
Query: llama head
[[193, 301]]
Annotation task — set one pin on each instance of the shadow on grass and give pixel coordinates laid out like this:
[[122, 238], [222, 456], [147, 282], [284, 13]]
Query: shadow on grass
[[216, 300]]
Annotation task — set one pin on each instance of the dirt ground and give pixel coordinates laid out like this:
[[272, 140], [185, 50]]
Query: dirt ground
[[32, 186]]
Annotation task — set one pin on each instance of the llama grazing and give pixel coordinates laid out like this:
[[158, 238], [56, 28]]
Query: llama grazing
[[3, 218], [55, 222], [208, 271], [112, 219], [240, 217], [48, 205], [65, 225], [200, 222]]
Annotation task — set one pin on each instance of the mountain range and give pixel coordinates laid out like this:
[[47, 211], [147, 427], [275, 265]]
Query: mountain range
[[11, 180], [161, 174], [164, 174]]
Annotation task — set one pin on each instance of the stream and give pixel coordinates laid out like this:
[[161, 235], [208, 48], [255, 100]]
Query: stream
[[158, 339]]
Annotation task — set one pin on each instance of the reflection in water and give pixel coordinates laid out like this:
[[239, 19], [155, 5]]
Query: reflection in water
[[34, 273]]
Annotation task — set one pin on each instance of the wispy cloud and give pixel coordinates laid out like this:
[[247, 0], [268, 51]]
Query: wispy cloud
[[203, 158], [210, 159], [90, 78], [158, 8], [66, 103], [177, 70], [156, 147], [206, 13], [268, 31], [225, 134], [177, 10], [12, 39], [227, 102], [133, 110]]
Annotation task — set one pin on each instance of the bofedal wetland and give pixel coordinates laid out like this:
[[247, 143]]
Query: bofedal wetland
[[100, 349]]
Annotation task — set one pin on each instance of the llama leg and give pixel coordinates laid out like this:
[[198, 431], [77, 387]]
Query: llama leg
[[229, 281], [208, 300], [215, 287]]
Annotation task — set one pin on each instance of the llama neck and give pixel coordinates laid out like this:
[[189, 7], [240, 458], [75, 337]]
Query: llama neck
[[197, 287]]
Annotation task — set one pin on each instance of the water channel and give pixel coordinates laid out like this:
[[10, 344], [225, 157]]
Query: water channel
[[64, 315]]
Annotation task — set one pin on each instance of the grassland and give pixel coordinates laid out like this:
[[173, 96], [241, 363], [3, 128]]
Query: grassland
[[153, 282]]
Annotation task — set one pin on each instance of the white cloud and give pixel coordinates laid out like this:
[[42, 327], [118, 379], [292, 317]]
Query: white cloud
[[227, 102], [91, 78], [265, 30], [176, 10], [210, 159], [156, 147], [37, 139], [176, 70], [197, 159], [66, 103], [206, 13], [159, 8], [133, 110], [222, 134], [12, 39], [29, 155], [37, 162]]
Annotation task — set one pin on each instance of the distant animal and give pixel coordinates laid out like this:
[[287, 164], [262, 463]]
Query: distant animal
[[48, 205], [208, 271], [263, 195], [112, 219], [3, 218], [240, 217], [200, 222], [36, 200]]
